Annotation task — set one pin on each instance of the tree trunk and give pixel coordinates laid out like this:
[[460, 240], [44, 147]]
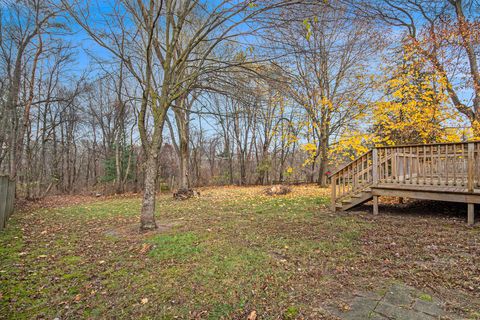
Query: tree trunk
[[118, 168], [312, 173], [322, 178], [184, 183], [152, 151], [182, 123], [147, 217], [243, 168]]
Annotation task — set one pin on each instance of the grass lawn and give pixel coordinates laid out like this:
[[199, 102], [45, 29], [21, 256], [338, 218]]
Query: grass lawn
[[223, 255]]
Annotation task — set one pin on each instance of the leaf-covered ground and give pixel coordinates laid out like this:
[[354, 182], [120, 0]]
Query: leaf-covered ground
[[228, 253]]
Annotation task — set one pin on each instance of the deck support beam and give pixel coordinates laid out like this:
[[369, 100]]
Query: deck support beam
[[375, 205], [471, 214]]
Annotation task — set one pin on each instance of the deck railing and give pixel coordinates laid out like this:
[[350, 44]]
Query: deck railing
[[441, 166]]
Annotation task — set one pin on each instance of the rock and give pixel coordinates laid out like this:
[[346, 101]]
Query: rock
[[400, 313], [399, 302], [429, 308], [399, 295]]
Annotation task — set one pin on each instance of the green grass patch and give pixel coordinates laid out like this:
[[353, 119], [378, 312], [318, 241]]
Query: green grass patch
[[425, 297], [177, 246], [103, 209], [75, 275], [11, 243], [71, 260], [291, 313]]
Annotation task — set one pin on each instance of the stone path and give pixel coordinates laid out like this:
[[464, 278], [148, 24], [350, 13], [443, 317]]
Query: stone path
[[398, 302]]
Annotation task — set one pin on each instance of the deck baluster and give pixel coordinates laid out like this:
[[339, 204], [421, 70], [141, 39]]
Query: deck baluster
[[368, 166], [474, 165], [382, 164], [357, 175], [464, 158], [471, 160], [447, 182], [387, 165], [350, 179], [454, 165], [411, 169], [417, 164], [375, 166], [439, 164], [424, 173], [394, 165], [431, 165]]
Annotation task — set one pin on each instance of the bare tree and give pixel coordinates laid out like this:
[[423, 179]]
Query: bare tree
[[23, 26], [326, 62], [167, 64]]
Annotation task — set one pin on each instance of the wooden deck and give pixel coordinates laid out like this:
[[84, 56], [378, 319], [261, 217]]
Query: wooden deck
[[443, 172]]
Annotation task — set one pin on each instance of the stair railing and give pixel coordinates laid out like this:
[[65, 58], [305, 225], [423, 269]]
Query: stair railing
[[353, 177]]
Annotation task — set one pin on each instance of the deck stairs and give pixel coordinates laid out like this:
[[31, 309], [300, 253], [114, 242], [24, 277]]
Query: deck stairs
[[356, 199]]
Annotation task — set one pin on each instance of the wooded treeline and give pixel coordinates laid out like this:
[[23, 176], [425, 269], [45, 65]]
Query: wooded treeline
[[115, 96]]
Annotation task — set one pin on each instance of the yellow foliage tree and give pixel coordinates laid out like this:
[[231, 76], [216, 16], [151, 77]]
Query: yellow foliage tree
[[417, 108], [350, 145]]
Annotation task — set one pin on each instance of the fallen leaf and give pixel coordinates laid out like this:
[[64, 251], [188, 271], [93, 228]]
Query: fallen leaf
[[252, 315], [145, 248]]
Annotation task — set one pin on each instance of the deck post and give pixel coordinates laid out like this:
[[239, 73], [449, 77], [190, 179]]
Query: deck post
[[375, 205], [334, 192], [471, 214]]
